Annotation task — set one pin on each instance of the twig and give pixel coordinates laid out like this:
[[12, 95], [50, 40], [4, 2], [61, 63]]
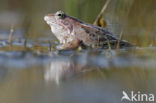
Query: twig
[[11, 35], [25, 43], [102, 11]]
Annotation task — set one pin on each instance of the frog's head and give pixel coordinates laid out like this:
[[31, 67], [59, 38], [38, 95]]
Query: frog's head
[[53, 19], [59, 22]]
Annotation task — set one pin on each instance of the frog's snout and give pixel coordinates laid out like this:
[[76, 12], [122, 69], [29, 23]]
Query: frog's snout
[[46, 18]]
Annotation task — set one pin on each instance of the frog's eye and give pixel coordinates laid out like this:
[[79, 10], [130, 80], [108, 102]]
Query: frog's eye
[[60, 14]]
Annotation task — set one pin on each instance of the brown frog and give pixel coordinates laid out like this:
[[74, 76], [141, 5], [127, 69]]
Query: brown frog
[[72, 33]]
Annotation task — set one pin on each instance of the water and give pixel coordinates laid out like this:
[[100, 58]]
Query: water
[[38, 76]]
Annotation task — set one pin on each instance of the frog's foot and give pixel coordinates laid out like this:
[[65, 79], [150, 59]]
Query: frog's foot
[[69, 45]]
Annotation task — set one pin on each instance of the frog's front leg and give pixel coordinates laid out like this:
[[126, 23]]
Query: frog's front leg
[[70, 45]]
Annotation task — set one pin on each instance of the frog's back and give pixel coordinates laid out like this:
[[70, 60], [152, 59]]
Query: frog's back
[[102, 38]]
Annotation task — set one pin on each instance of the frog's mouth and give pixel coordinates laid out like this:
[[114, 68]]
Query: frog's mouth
[[46, 18]]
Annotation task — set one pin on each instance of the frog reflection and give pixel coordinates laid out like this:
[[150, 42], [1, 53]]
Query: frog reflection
[[62, 69]]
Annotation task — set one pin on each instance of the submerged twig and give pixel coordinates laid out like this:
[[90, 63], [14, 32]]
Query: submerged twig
[[50, 46], [11, 35], [102, 12]]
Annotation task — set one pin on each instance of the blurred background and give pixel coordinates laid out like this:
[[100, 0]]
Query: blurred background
[[134, 18], [35, 72]]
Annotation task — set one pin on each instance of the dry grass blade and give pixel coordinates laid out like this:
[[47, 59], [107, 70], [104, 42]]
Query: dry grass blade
[[109, 45], [118, 43], [102, 12], [98, 42]]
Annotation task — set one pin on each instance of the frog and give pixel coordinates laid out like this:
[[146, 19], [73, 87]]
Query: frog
[[73, 33]]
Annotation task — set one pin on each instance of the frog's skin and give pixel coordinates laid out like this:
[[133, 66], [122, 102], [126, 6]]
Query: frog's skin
[[72, 33]]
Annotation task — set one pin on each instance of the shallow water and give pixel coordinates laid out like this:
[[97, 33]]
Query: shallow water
[[33, 71], [31, 75]]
